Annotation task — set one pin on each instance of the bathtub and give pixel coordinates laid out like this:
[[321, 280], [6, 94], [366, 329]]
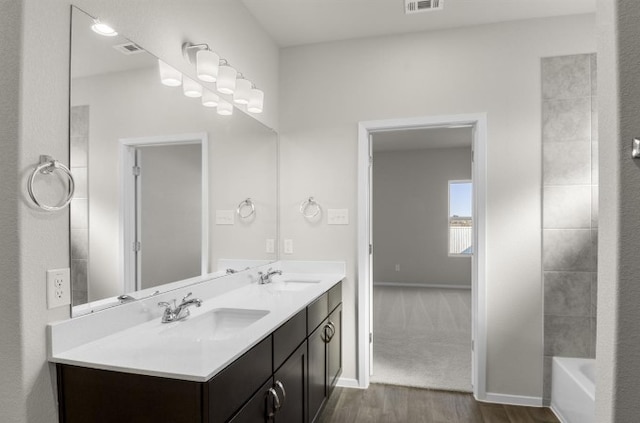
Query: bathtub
[[573, 389]]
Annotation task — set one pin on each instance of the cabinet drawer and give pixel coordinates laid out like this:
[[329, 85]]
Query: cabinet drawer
[[229, 390], [287, 338], [335, 296], [317, 312]]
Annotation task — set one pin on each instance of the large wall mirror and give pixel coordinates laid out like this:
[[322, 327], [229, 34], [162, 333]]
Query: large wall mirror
[[168, 192]]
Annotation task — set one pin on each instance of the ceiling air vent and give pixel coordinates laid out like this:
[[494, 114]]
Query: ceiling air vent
[[129, 48], [418, 6]]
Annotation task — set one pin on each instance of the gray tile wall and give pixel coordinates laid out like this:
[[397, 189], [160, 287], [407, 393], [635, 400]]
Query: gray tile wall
[[570, 207], [79, 212]]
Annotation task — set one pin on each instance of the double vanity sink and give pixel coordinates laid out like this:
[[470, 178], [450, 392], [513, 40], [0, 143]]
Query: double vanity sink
[[252, 330]]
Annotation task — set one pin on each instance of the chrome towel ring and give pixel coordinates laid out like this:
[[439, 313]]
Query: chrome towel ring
[[246, 204], [310, 208], [47, 166]]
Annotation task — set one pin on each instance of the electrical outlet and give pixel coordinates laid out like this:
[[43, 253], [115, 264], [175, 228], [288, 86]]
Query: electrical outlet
[[271, 246], [397, 267], [288, 246], [225, 217], [58, 288], [338, 216]]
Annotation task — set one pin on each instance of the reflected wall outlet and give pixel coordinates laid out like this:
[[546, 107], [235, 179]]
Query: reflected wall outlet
[[58, 288], [288, 246], [338, 216], [225, 217], [397, 267], [271, 246]]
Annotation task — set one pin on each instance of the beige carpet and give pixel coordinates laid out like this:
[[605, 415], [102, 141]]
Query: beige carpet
[[422, 337]]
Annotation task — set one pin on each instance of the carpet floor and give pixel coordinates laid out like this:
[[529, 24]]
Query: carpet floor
[[422, 337]]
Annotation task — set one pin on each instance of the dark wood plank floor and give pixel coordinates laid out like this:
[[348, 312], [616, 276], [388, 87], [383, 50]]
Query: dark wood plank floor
[[400, 404]]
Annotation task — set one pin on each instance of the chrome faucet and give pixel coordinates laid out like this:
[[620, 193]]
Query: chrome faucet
[[179, 312], [266, 277]]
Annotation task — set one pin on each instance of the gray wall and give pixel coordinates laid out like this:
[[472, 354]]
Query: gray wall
[[618, 343], [410, 216], [489, 68], [171, 213], [570, 207]]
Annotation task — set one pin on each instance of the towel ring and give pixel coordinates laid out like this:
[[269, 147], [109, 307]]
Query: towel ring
[[243, 205], [310, 203], [47, 166]]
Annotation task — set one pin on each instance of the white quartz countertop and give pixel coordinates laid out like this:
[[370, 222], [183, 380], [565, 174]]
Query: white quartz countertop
[[164, 349]]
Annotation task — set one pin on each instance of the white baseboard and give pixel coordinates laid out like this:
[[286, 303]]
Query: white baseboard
[[512, 400], [344, 382], [557, 413], [420, 285]]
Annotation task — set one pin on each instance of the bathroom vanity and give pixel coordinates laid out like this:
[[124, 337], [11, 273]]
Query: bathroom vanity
[[255, 353]]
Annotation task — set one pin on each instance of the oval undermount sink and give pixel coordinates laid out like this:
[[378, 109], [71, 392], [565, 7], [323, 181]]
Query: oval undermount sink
[[215, 325], [295, 284]]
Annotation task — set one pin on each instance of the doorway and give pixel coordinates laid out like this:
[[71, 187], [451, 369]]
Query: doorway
[[366, 243], [164, 210], [421, 214]]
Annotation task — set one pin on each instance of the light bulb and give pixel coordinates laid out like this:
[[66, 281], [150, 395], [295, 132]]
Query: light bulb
[[210, 99], [103, 29], [226, 82], [256, 101], [225, 109], [191, 88], [168, 75], [243, 91], [207, 65]]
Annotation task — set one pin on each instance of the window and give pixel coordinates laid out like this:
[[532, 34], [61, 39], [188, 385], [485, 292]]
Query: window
[[460, 218]]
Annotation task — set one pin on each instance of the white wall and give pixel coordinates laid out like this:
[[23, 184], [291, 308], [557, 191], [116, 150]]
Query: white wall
[[328, 88], [35, 84], [410, 216]]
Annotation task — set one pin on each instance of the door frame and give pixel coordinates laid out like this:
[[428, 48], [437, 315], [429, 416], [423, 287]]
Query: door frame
[[128, 208], [478, 284]]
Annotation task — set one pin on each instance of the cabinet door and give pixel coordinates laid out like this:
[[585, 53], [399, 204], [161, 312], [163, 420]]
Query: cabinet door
[[258, 408], [290, 385], [334, 348], [317, 371]]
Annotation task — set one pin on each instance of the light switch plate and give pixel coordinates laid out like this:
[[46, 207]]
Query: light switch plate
[[225, 217], [288, 246], [58, 287], [338, 216], [271, 246]]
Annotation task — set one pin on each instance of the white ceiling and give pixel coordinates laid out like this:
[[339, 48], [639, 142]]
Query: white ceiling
[[421, 139], [298, 22]]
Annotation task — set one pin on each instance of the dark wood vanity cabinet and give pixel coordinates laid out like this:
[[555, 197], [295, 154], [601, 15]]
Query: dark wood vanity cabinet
[[286, 378]]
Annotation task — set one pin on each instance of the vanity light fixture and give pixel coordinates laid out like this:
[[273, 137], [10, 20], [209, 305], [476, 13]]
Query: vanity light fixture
[[206, 61], [210, 99], [256, 101], [226, 82], [243, 90], [191, 88], [169, 76], [224, 108], [103, 29]]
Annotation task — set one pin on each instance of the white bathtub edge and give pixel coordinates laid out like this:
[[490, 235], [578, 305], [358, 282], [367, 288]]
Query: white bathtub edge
[[512, 399]]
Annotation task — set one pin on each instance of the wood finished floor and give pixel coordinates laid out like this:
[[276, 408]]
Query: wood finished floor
[[400, 404]]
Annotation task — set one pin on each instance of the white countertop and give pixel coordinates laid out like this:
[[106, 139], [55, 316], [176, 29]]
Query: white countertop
[[144, 348]]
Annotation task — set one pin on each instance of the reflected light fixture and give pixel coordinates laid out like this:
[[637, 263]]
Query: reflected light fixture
[[169, 76], [210, 99], [243, 90], [103, 29], [224, 108], [191, 88], [256, 101], [226, 82]]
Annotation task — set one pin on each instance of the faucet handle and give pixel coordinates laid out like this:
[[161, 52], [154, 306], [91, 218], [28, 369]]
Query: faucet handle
[[164, 304], [186, 296]]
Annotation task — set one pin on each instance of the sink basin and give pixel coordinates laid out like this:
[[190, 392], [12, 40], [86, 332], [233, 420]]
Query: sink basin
[[216, 325], [295, 284]]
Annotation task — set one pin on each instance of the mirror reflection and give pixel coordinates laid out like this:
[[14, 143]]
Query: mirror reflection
[[161, 180]]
